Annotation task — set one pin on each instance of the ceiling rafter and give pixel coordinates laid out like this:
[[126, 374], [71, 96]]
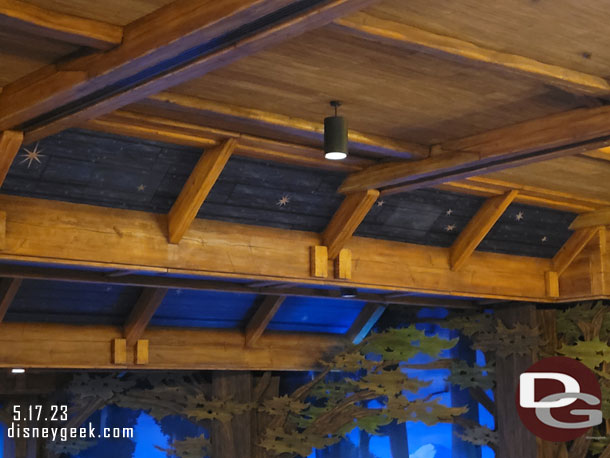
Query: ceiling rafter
[[563, 134], [157, 53], [478, 227], [182, 133], [360, 142], [10, 143], [402, 35], [364, 322], [8, 290], [572, 248], [197, 188], [346, 220], [142, 312], [600, 217], [29, 18], [263, 315]]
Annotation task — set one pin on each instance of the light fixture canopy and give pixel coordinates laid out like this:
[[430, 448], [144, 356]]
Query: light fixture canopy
[[335, 135], [348, 292]]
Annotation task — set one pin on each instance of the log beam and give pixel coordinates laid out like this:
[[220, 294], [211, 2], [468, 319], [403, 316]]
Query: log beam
[[359, 141], [157, 42], [8, 290], [28, 18], [567, 133], [412, 38], [478, 227], [149, 301], [56, 346], [55, 232], [364, 322], [572, 248], [197, 188], [10, 143], [600, 217], [261, 318], [346, 220]]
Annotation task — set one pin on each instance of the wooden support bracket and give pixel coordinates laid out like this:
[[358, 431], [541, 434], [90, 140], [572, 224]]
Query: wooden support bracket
[[319, 261], [343, 265]]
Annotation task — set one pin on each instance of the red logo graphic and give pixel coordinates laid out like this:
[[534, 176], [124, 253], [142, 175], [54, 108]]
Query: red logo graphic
[[559, 399]]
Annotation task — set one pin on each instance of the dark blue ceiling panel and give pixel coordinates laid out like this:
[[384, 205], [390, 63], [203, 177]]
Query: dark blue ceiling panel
[[204, 309], [303, 314], [72, 303]]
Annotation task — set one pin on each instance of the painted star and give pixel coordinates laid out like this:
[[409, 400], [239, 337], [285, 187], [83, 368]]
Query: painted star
[[544, 239], [141, 188], [450, 227], [449, 212], [285, 200], [519, 216], [380, 203], [32, 155]]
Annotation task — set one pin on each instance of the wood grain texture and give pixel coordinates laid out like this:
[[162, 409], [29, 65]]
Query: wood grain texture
[[261, 318], [478, 227], [169, 130], [346, 220], [149, 301], [8, 290], [57, 346], [366, 319], [169, 32], [600, 217], [565, 134], [28, 18], [197, 188], [360, 142], [131, 240], [572, 248], [318, 260], [10, 143], [398, 34]]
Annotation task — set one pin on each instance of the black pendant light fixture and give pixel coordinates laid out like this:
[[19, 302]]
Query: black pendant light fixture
[[335, 135]]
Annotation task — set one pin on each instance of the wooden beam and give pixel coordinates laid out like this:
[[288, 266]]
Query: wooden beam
[[59, 233], [545, 138], [366, 319], [28, 18], [262, 288], [528, 194], [405, 36], [150, 43], [600, 217], [8, 290], [10, 143], [57, 346], [346, 220], [261, 319], [142, 312], [478, 227], [572, 248], [359, 142], [182, 133], [197, 188]]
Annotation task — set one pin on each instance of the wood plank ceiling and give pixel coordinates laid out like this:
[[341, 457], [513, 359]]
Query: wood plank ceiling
[[478, 133]]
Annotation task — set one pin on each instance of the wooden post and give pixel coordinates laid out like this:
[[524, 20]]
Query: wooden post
[[232, 439], [515, 441]]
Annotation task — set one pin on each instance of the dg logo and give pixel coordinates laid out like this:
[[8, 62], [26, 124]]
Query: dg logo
[[559, 399]]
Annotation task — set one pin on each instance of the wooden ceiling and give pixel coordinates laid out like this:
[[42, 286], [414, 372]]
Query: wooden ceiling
[[504, 100]]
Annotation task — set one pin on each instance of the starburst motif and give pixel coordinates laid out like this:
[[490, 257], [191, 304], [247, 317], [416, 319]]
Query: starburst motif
[[544, 239], [449, 212], [141, 188], [450, 227], [380, 203], [285, 200], [32, 155], [519, 216]]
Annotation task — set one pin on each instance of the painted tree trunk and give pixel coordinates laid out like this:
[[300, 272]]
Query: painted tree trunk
[[515, 441], [399, 443], [459, 398]]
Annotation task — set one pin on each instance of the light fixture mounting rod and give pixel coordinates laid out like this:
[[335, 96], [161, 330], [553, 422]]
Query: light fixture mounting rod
[[335, 104]]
